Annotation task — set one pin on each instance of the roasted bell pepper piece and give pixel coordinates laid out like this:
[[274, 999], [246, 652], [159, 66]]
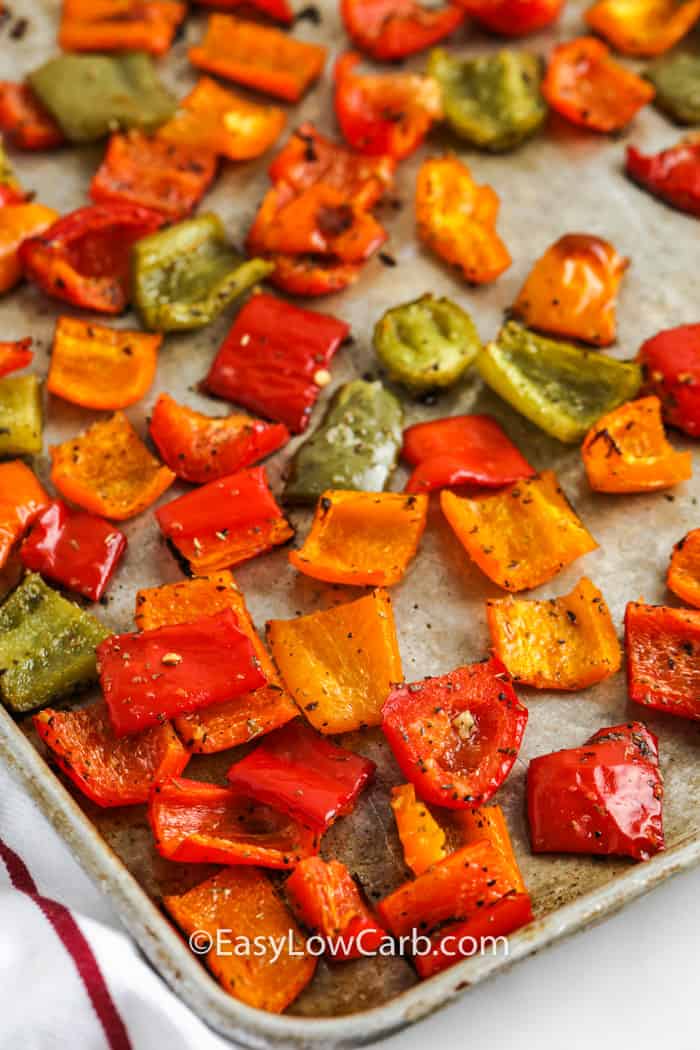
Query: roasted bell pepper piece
[[21, 431], [259, 57], [186, 275], [311, 275], [218, 121], [327, 900], [426, 344], [422, 838], [558, 643], [110, 770], [365, 539], [673, 175], [559, 387], [339, 664], [387, 114], [572, 290], [25, 121], [99, 367], [92, 96], [643, 27], [15, 356], [663, 658], [84, 257], [169, 671], [244, 901], [522, 536], [75, 550], [514, 17], [119, 25], [163, 176], [18, 222], [280, 10], [356, 445], [587, 87], [10, 190], [627, 451], [236, 721], [489, 823], [461, 450], [108, 470], [492, 101], [457, 220], [299, 772], [604, 798], [200, 823], [275, 359], [47, 646], [392, 29], [677, 83], [201, 448], [456, 737], [225, 522], [21, 498], [683, 576]]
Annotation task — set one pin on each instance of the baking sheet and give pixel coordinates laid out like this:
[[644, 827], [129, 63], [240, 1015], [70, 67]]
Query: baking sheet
[[562, 181]]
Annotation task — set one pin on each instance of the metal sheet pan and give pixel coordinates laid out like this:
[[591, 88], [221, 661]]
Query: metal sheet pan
[[560, 182]]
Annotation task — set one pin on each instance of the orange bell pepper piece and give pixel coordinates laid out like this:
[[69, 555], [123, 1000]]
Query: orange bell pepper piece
[[457, 220], [244, 901], [216, 120], [572, 289], [162, 176], [15, 355], [25, 121], [585, 85], [561, 643], [21, 498], [339, 664], [233, 722], [119, 25], [259, 57], [643, 27], [108, 470], [684, 570], [99, 367], [627, 451], [366, 539], [422, 838], [489, 823], [19, 222], [521, 536]]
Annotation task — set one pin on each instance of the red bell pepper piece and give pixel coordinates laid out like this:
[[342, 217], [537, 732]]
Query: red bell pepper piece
[[604, 798], [77, 550], [225, 522], [461, 450], [456, 737], [16, 355], [310, 275], [391, 29], [663, 658], [460, 940], [673, 175], [158, 674], [297, 770], [84, 258], [21, 499], [110, 770], [671, 363], [199, 823], [275, 358], [514, 17], [280, 10], [327, 900], [11, 194], [25, 121]]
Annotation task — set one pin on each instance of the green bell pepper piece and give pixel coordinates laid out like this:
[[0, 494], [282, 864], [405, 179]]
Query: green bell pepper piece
[[427, 343], [493, 101], [355, 447], [90, 96], [21, 422], [7, 175], [47, 646], [184, 276], [562, 389], [677, 82]]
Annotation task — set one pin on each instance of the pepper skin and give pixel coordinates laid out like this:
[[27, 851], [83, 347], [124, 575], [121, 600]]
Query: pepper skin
[[663, 658], [677, 83], [25, 121], [21, 498], [18, 223], [15, 356], [391, 29], [119, 25], [643, 27], [514, 17], [673, 175], [21, 433], [684, 569]]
